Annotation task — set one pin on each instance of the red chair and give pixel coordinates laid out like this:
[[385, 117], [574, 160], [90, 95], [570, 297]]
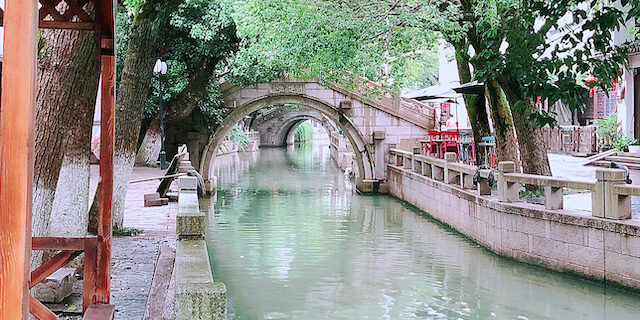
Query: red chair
[[450, 142], [433, 139]]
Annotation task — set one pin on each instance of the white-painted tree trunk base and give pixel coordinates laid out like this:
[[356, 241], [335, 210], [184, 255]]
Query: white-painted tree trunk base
[[40, 218], [70, 212], [150, 148], [122, 167]]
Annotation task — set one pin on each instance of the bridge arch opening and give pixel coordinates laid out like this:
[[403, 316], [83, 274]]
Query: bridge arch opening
[[364, 159], [285, 135]]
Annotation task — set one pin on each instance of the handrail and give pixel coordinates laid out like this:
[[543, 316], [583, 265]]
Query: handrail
[[550, 181], [394, 150], [462, 168], [627, 189]]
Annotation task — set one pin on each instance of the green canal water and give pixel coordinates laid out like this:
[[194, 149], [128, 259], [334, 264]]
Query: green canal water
[[292, 240]]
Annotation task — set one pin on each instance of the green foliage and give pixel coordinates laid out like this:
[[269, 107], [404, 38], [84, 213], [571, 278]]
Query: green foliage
[[417, 72], [123, 23], [608, 130], [42, 51], [622, 143], [304, 132], [126, 232], [238, 136], [516, 43], [327, 40], [535, 193], [202, 33]]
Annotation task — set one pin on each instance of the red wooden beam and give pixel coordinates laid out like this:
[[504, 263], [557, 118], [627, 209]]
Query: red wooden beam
[[40, 311], [107, 101], [52, 243], [66, 25], [46, 269], [16, 152]]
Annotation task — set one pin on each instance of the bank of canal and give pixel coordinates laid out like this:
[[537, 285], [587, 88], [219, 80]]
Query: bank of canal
[[291, 240]]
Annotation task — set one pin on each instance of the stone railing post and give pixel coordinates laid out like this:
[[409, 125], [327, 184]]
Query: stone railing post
[[414, 165], [553, 198], [605, 202], [449, 175], [483, 187], [507, 191], [407, 161]]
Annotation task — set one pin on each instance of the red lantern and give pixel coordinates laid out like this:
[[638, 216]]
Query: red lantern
[[591, 79], [444, 107]]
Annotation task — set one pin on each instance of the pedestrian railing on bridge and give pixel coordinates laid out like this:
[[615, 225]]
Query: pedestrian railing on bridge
[[610, 195]]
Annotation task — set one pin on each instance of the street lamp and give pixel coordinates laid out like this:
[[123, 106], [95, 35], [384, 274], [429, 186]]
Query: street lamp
[[159, 69]]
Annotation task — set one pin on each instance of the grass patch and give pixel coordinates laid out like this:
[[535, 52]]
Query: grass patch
[[126, 232], [535, 193]]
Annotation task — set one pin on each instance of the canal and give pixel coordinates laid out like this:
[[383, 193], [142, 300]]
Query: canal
[[292, 240]]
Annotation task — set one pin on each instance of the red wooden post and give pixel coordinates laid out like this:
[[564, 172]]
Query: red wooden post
[[107, 94], [89, 277], [16, 151]]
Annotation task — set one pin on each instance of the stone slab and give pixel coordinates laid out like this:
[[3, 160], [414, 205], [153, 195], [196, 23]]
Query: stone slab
[[56, 287], [197, 295]]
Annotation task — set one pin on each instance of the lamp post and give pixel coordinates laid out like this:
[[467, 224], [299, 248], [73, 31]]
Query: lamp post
[[159, 69]]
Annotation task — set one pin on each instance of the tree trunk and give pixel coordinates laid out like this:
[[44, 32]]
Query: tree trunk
[[69, 217], [68, 82], [475, 104], [183, 105], [532, 149], [506, 148], [146, 41], [150, 147]]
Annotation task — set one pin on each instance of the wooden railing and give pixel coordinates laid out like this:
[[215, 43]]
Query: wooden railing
[[609, 192], [70, 248]]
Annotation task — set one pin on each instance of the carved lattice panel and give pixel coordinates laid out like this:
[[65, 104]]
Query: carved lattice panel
[[64, 14]]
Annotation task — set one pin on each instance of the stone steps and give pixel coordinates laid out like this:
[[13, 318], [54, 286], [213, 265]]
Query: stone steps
[[624, 159], [607, 164]]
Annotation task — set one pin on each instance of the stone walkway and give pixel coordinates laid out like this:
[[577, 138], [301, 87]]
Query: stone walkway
[[133, 258]]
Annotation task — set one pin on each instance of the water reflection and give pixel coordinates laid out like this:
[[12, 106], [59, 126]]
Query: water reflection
[[292, 241]]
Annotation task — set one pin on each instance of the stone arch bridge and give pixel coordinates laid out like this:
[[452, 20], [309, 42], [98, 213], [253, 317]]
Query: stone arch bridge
[[276, 126], [371, 122]]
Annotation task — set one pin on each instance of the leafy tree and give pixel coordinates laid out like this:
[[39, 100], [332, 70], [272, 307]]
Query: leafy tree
[[327, 40]]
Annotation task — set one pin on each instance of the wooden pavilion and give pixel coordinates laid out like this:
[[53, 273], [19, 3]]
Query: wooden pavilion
[[21, 19]]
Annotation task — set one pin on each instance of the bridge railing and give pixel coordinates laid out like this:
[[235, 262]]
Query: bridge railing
[[253, 135], [610, 195]]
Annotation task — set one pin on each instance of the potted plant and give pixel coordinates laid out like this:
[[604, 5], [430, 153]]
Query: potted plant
[[622, 143], [634, 147], [607, 131]]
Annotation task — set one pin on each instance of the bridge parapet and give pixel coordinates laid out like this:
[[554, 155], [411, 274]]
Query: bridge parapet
[[333, 94]]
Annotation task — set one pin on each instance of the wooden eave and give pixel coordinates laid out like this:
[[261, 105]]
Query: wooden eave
[[76, 17]]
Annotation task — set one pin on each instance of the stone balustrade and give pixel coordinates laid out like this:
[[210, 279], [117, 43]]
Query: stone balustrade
[[197, 295], [610, 194], [603, 245], [253, 135]]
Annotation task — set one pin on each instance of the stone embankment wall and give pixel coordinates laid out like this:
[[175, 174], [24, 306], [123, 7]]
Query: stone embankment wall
[[197, 295], [561, 240]]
